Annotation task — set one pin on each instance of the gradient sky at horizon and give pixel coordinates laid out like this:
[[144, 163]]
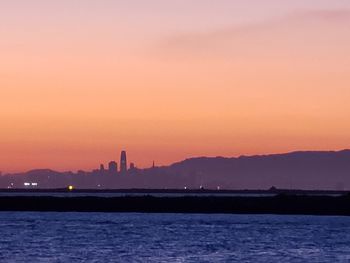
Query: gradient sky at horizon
[[166, 80]]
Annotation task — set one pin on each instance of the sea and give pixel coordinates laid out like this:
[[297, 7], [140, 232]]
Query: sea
[[136, 237]]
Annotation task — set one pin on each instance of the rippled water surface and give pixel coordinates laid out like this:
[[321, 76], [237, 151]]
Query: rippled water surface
[[115, 237]]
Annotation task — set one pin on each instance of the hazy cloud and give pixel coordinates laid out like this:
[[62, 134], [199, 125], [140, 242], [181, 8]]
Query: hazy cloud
[[301, 20]]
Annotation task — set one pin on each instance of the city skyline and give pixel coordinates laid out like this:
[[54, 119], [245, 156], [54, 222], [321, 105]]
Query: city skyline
[[315, 170], [170, 79], [112, 167]]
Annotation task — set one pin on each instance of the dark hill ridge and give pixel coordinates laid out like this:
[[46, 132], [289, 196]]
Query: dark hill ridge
[[42, 172], [305, 170], [291, 155]]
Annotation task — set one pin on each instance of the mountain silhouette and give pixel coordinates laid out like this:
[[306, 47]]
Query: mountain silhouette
[[313, 170], [296, 170]]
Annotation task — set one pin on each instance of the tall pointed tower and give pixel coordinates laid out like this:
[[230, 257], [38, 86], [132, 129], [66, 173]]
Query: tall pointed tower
[[123, 162]]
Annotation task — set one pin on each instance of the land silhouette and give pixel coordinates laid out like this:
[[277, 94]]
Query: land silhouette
[[312, 170]]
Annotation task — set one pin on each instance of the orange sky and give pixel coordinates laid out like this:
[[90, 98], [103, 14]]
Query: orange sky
[[82, 80]]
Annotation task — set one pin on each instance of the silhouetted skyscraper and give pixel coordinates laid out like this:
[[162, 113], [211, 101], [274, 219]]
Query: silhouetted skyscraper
[[123, 162], [113, 167], [132, 166], [102, 169]]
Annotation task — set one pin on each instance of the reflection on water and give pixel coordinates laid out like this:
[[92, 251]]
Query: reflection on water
[[118, 237]]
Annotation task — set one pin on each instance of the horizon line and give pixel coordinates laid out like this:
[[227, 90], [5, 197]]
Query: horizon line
[[189, 158]]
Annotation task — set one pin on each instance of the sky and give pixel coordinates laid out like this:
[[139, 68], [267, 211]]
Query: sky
[[81, 80]]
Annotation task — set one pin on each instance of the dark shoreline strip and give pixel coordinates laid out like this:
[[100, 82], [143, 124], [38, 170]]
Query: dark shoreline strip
[[177, 191], [281, 204]]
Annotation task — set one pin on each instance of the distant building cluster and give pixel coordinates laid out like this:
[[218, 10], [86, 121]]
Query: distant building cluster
[[284, 171], [114, 175], [113, 167]]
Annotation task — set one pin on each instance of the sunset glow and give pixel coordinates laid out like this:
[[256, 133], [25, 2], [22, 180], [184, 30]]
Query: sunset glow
[[166, 80]]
